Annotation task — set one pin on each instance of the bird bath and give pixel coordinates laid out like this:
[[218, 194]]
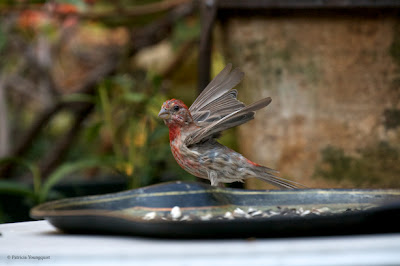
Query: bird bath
[[198, 210]]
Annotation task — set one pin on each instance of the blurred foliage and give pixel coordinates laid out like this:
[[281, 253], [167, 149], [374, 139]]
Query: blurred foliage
[[48, 49], [128, 128]]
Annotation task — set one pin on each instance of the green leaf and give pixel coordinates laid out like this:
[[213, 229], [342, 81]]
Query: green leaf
[[33, 168], [92, 132], [14, 188], [134, 97], [78, 97], [69, 168], [3, 39], [158, 133], [109, 121], [124, 81], [185, 30]]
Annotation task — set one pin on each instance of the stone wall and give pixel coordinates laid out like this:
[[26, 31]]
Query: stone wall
[[334, 120]]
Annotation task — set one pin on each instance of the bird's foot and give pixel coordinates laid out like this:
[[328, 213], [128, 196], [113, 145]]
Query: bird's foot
[[212, 175]]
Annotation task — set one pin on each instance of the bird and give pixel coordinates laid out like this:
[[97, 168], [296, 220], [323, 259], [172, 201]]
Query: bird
[[193, 133]]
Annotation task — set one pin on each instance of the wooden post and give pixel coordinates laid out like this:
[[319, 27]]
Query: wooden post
[[208, 9]]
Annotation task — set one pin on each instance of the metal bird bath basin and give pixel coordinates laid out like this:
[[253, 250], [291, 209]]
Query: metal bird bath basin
[[197, 210]]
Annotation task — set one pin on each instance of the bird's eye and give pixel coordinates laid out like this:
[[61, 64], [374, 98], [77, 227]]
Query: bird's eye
[[176, 108]]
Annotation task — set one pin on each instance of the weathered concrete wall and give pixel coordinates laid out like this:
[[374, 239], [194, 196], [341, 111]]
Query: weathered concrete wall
[[334, 120]]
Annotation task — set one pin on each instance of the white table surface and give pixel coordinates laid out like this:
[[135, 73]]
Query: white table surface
[[24, 243]]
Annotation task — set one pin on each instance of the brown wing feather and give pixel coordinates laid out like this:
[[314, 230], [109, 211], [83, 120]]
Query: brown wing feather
[[233, 119], [218, 108], [212, 86], [216, 91]]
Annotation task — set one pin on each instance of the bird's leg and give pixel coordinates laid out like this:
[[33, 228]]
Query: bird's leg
[[212, 175]]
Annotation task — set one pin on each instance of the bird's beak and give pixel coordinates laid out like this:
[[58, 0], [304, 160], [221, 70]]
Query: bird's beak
[[164, 114]]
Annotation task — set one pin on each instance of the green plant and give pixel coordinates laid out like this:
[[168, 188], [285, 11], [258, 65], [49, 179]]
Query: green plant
[[128, 111], [41, 191], [74, 102]]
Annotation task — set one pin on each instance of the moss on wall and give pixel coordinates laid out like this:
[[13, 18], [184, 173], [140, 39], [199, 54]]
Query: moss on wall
[[374, 165]]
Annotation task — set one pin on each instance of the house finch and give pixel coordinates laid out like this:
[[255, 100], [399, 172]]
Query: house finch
[[193, 132]]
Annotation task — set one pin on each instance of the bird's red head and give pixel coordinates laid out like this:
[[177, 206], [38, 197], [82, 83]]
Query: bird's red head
[[176, 115], [175, 112]]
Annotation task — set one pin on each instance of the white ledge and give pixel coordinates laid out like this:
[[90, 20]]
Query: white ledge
[[39, 243]]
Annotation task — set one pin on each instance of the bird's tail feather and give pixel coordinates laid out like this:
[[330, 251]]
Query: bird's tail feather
[[263, 173]]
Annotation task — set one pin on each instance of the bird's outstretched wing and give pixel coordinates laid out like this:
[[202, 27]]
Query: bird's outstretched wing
[[217, 108], [216, 96]]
